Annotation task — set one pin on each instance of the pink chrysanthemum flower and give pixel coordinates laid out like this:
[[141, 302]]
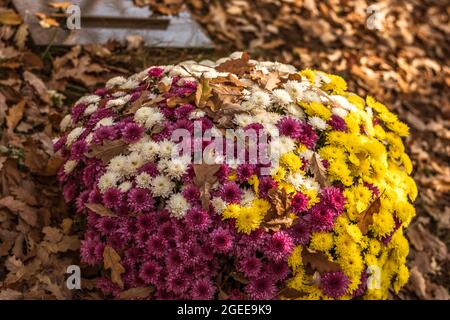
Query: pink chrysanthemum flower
[[156, 246], [279, 246], [250, 266], [299, 202], [91, 251], [230, 192], [334, 284], [78, 149], [132, 132], [150, 272], [155, 72], [197, 219], [322, 218], [192, 194], [112, 197], [337, 123], [245, 171], [140, 200], [261, 288], [332, 197], [222, 240], [203, 289], [289, 127], [177, 284]]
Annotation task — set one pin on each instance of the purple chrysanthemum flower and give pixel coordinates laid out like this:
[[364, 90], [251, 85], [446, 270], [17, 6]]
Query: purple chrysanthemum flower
[[156, 246], [245, 171], [322, 218], [82, 199], [112, 198], [106, 225], [132, 132], [265, 184], [91, 251], [337, 123], [184, 110], [279, 246], [77, 112], [334, 284], [222, 240], [261, 288], [203, 289], [299, 202], [150, 272], [197, 219], [155, 72], [140, 199], [307, 135], [278, 270], [289, 127], [332, 197], [78, 149], [250, 266], [230, 192]]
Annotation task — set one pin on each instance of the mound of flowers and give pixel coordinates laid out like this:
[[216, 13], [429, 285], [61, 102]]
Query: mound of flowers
[[238, 179]]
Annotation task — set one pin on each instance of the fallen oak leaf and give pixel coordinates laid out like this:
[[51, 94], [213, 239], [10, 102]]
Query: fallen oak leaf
[[27, 213], [239, 66], [291, 293], [38, 85], [60, 5], [108, 150], [112, 260], [204, 179], [46, 22], [279, 200], [10, 18], [203, 92]]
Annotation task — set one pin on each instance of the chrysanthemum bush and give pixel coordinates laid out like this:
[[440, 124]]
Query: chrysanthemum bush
[[323, 218]]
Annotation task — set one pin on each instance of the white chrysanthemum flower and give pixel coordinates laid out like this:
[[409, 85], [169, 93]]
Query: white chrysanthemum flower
[[307, 154], [118, 165], [317, 123], [142, 114], [115, 82], [284, 68], [341, 112], [167, 81], [218, 204], [243, 120], [247, 197], [294, 110], [107, 180], [118, 102], [143, 180], [311, 184], [343, 103], [161, 186], [311, 96], [321, 78], [150, 150], [196, 114], [162, 165], [167, 148], [287, 144], [177, 167], [297, 180], [260, 99], [90, 109], [177, 205], [73, 135], [281, 97], [69, 166], [133, 162], [295, 89], [155, 118], [125, 186], [130, 84], [88, 99], [65, 122], [108, 121], [119, 94]]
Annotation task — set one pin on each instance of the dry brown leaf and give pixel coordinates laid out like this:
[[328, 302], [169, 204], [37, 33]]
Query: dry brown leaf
[[136, 293], [365, 219], [27, 213], [204, 179], [52, 235], [60, 5], [100, 210], [15, 114], [46, 22], [67, 243], [239, 66], [38, 85], [318, 261], [21, 36], [112, 260], [203, 92], [318, 171], [108, 150]]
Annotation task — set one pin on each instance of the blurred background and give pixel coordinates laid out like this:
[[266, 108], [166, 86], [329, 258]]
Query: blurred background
[[396, 51]]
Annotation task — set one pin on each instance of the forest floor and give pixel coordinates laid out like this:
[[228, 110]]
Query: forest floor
[[404, 64]]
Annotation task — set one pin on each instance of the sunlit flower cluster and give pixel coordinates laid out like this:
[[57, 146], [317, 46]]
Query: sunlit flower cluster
[[326, 220]]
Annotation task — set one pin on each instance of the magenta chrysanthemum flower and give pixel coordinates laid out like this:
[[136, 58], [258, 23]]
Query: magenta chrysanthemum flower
[[104, 133], [156, 246], [91, 251], [279, 246], [132, 132], [334, 284], [150, 272], [82, 199], [301, 231], [78, 149], [167, 230], [184, 110], [112, 197], [145, 221], [69, 191], [290, 127], [265, 184], [261, 288], [197, 219], [155, 72], [177, 284], [106, 225], [337, 123], [150, 168], [203, 289], [332, 197], [192, 194], [77, 112], [250, 266], [230, 192], [307, 135], [278, 270], [140, 200], [245, 171], [322, 218], [222, 240], [299, 202]]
